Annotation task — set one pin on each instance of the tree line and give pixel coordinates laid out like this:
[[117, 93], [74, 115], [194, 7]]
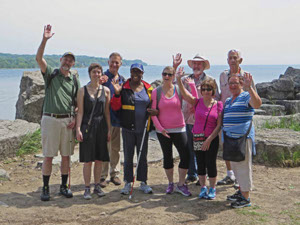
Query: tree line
[[13, 61]]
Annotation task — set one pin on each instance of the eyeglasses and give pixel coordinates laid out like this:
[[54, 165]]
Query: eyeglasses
[[167, 74], [235, 83], [206, 89]]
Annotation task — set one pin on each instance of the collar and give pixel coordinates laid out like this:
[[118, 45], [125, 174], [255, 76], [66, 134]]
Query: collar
[[109, 74], [127, 85]]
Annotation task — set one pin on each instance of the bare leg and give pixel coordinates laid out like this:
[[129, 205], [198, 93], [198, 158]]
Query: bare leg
[[169, 173], [47, 166], [182, 174], [65, 164], [87, 170], [202, 179], [212, 182], [246, 194], [228, 165], [97, 171]]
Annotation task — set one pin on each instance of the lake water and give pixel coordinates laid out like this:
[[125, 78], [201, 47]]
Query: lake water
[[10, 80]]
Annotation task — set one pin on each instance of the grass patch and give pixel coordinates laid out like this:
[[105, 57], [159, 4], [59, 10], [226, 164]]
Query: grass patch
[[288, 123], [256, 217], [31, 143]]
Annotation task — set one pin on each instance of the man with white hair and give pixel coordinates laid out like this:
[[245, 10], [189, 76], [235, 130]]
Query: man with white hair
[[234, 59], [198, 64]]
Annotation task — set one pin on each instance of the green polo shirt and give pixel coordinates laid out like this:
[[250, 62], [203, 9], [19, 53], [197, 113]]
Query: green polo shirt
[[58, 96]]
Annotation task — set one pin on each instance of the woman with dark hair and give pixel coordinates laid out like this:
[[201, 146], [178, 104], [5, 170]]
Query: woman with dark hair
[[93, 128], [208, 117]]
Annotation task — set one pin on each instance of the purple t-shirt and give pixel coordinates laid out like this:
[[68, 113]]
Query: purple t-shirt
[[201, 112]]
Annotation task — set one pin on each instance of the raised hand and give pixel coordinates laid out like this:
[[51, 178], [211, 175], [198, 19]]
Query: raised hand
[[103, 79], [177, 60], [189, 80], [247, 81], [47, 32], [179, 73], [116, 86]]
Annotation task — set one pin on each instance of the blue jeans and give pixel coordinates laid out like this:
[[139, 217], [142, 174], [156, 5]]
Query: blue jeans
[[193, 162]]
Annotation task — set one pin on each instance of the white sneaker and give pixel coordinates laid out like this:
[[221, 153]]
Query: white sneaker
[[145, 188], [126, 189], [87, 194], [98, 191]]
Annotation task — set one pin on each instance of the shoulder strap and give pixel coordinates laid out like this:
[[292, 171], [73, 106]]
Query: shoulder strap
[[158, 95], [52, 75]]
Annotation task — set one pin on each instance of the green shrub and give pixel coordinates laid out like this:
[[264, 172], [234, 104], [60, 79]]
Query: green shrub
[[289, 123], [31, 143]]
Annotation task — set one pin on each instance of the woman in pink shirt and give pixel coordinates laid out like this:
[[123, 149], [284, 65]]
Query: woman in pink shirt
[[208, 120], [170, 128]]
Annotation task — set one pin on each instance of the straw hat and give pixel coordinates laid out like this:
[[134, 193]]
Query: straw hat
[[199, 58]]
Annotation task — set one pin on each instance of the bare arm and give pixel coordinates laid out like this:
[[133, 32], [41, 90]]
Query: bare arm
[[185, 94], [107, 112], [40, 53], [255, 100], [177, 61], [79, 116]]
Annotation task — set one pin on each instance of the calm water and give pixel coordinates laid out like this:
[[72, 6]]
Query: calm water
[[10, 80]]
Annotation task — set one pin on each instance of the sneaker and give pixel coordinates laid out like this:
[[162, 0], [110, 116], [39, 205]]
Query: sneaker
[[226, 181], [145, 188], [236, 185], [170, 188], [87, 194], [203, 192], [235, 196], [45, 196], [98, 191], [103, 183], [115, 180], [65, 191], [126, 189], [190, 179], [183, 190], [211, 194], [240, 203]]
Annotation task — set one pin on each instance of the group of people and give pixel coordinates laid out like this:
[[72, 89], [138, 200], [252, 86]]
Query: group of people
[[186, 111]]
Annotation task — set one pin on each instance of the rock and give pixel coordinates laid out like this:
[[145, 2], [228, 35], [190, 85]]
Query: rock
[[156, 83], [280, 89], [11, 135], [4, 175], [291, 106], [31, 97], [259, 121], [278, 147], [297, 96], [265, 101], [273, 110], [260, 112], [3, 204]]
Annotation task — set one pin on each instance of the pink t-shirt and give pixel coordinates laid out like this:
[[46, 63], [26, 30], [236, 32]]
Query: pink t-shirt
[[170, 115], [201, 112]]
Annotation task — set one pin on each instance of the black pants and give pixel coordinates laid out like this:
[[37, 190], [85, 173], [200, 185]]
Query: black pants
[[207, 160], [180, 142]]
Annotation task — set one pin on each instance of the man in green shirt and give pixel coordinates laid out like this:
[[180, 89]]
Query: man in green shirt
[[58, 115]]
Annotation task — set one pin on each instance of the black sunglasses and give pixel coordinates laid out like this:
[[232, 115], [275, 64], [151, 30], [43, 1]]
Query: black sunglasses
[[206, 89], [167, 74]]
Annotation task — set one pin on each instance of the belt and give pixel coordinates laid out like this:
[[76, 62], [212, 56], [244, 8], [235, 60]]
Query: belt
[[57, 116]]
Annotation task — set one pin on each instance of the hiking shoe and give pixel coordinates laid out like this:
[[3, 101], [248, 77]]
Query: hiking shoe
[[103, 183], [226, 181], [45, 196], [183, 190], [236, 185], [170, 188], [145, 188], [203, 193], [235, 196], [115, 180], [126, 189], [211, 194], [240, 203], [87, 194], [190, 179], [65, 191], [98, 191]]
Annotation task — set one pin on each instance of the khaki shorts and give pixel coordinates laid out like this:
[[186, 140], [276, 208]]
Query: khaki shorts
[[56, 136], [243, 170]]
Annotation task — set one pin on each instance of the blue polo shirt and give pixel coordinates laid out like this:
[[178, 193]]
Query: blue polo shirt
[[114, 115]]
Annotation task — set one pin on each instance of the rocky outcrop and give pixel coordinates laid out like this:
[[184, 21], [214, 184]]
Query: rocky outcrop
[[274, 110], [3, 175], [31, 97], [156, 83], [11, 135]]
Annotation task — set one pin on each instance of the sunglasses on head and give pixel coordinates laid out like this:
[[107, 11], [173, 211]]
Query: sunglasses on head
[[167, 74], [206, 89]]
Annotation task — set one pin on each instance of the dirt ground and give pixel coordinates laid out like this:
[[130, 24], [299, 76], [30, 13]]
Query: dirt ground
[[275, 199]]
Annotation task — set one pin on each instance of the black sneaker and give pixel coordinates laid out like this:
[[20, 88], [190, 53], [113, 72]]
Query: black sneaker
[[240, 203], [45, 196], [237, 195], [65, 191], [226, 181]]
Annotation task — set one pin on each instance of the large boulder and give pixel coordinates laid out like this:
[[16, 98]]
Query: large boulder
[[293, 74], [273, 110], [260, 121], [31, 97], [11, 135], [291, 106]]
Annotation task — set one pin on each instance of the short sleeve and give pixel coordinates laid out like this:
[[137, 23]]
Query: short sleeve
[[220, 107], [48, 72]]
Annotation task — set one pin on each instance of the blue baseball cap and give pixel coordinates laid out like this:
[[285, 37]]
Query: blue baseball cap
[[137, 66]]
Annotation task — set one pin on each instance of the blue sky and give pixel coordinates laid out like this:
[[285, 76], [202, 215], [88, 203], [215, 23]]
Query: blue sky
[[267, 32]]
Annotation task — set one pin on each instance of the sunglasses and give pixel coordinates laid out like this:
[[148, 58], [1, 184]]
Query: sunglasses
[[167, 74], [206, 89]]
